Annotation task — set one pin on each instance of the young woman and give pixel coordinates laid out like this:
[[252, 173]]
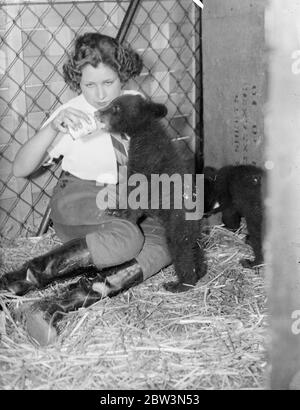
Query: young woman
[[111, 254]]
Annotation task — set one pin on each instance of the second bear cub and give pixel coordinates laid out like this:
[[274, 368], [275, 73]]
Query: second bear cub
[[239, 192], [151, 151]]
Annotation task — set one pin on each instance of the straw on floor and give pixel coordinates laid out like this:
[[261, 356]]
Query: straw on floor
[[214, 336]]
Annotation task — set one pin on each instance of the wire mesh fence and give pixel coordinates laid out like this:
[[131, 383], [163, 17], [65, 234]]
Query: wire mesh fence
[[35, 38]]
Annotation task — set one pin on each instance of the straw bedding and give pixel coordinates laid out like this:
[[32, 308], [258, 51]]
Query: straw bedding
[[212, 337]]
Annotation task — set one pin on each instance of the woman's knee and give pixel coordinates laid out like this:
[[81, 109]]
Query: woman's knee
[[116, 241]]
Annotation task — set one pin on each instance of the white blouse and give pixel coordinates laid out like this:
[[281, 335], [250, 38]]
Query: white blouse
[[91, 157]]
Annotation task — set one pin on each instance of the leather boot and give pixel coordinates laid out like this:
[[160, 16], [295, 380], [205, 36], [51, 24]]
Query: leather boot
[[65, 261], [42, 317]]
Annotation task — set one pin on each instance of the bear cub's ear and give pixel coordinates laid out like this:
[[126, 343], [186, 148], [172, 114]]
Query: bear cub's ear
[[210, 173], [158, 110]]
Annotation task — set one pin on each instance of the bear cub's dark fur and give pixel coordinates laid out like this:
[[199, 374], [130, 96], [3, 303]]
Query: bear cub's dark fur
[[151, 151], [238, 192]]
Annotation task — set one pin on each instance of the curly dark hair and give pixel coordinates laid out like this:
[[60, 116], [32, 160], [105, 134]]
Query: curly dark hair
[[95, 48]]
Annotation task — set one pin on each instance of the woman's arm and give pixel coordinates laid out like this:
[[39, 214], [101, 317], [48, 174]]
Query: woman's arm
[[33, 153]]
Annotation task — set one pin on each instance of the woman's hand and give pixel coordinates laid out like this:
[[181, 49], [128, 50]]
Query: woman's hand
[[69, 118]]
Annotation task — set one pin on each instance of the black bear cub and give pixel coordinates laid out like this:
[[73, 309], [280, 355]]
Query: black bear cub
[[151, 151], [236, 191]]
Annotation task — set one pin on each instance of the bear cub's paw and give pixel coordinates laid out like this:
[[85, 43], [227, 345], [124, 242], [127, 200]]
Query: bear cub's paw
[[176, 287]]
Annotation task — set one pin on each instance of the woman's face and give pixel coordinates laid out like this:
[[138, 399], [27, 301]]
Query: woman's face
[[100, 85]]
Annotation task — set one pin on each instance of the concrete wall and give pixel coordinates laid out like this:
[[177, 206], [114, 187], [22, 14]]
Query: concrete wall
[[234, 59]]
